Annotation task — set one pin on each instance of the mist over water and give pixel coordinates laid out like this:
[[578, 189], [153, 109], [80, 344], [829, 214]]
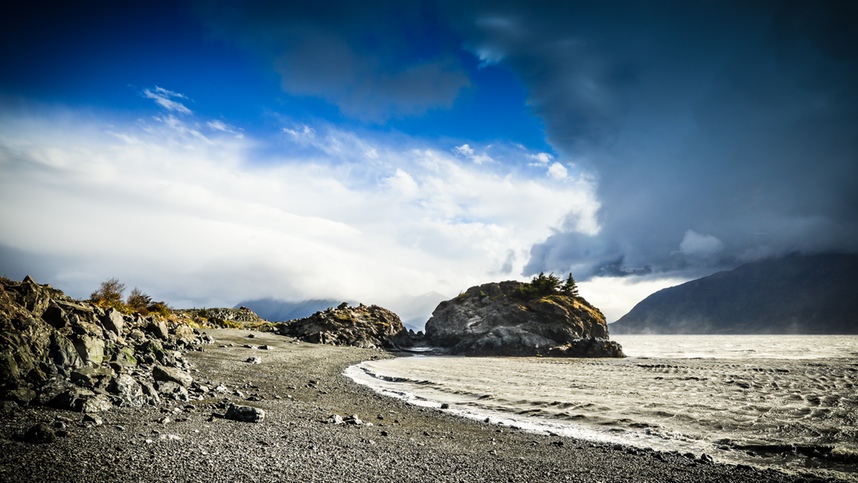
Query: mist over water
[[789, 402]]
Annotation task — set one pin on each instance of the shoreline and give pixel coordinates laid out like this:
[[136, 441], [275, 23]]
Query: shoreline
[[301, 387]]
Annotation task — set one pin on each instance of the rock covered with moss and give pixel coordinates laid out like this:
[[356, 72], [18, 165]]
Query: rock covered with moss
[[362, 326], [60, 352], [514, 319]]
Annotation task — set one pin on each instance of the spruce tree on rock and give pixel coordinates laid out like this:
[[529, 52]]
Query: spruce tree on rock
[[570, 287]]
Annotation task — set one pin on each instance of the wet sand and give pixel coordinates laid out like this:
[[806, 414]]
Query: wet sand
[[300, 387]]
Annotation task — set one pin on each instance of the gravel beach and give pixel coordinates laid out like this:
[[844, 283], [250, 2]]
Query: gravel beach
[[309, 433]]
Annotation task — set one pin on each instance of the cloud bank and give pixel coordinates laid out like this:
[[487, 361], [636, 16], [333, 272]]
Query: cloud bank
[[200, 215]]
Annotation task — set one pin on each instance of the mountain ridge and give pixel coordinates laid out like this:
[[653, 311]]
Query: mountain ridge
[[795, 294]]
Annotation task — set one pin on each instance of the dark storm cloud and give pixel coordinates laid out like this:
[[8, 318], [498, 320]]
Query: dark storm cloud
[[374, 60], [720, 131]]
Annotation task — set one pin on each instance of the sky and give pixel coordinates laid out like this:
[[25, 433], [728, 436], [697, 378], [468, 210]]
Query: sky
[[211, 152]]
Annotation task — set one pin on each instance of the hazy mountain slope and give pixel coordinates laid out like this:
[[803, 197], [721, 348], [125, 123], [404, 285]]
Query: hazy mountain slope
[[805, 294], [280, 310]]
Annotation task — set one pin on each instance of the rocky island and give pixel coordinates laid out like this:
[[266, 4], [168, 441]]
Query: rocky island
[[512, 318]]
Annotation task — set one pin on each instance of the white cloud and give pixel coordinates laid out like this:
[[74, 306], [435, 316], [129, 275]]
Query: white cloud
[[467, 152], [557, 171], [217, 125], [540, 158], [305, 133], [402, 183], [199, 219], [164, 98], [695, 244]]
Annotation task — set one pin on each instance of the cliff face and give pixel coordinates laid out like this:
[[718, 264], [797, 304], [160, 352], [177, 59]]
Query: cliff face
[[797, 294], [494, 319], [362, 326]]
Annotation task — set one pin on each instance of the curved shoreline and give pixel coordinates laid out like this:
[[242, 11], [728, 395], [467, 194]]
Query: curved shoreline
[[300, 387]]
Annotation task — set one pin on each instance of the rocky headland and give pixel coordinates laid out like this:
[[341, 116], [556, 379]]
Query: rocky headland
[[361, 326], [74, 355], [521, 319]]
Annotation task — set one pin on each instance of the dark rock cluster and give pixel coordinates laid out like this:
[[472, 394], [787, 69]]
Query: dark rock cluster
[[362, 326], [67, 354], [495, 319]]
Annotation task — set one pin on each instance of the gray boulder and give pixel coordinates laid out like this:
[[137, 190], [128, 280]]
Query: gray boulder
[[171, 374], [158, 328], [245, 414], [90, 348], [113, 321], [127, 389]]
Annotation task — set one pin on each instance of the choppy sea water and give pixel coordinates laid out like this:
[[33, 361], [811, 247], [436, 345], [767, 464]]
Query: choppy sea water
[[789, 402]]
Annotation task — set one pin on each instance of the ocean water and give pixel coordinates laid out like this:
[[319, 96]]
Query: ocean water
[[789, 402]]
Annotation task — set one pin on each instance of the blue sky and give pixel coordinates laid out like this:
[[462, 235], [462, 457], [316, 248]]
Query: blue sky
[[210, 152]]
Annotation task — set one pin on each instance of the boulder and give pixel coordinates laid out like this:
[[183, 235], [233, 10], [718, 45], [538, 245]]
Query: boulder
[[173, 390], [95, 404], [158, 328], [113, 321], [511, 319], [63, 352], [246, 414], [89, 377], [90, 348], [171, 374], [184, 334], [362, 326], [127, 389], [21, 396], [40, 434], [81, 400]]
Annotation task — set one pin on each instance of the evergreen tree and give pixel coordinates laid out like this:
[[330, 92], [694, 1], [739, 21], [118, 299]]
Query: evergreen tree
[[570, 287], [545, 284]]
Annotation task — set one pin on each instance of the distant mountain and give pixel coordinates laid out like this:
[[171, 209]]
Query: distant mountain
[[414, 311], [796, 294], [280, 310]]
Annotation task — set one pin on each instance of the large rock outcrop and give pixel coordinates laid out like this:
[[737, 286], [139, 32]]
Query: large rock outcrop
[[500, 319], [362, 326], [56, 351], [797, 294]]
